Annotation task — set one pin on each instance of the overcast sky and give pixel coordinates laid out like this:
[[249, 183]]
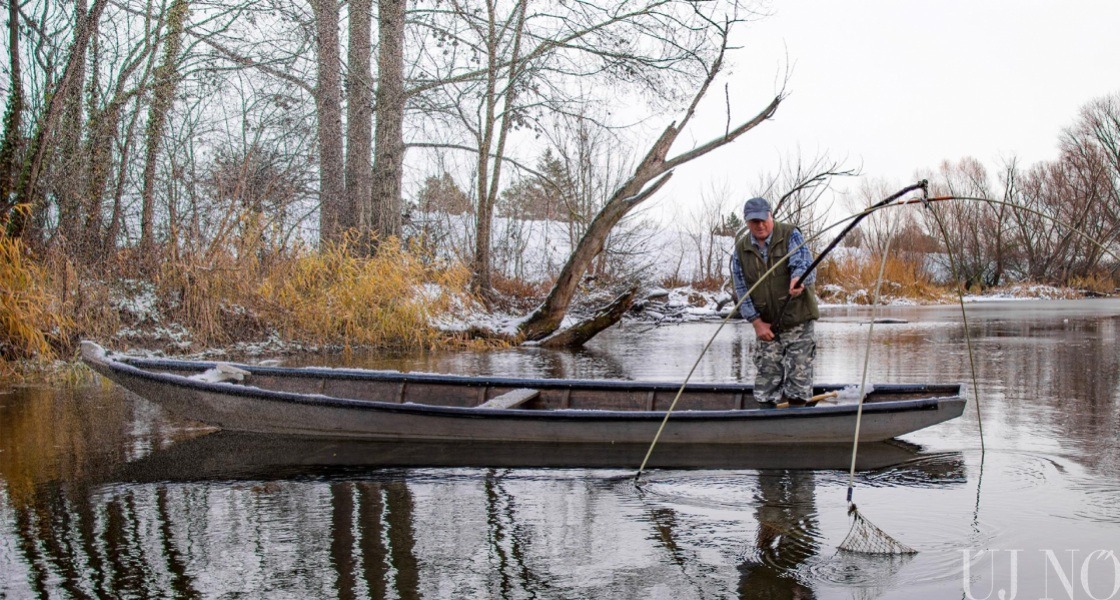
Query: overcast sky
[[895, 86]]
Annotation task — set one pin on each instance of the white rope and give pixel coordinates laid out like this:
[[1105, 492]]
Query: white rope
[[964, 323], [734, 309], [866, 362]]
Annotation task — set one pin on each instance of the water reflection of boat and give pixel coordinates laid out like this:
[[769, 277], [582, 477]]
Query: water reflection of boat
[[349, 403], [254, 456]]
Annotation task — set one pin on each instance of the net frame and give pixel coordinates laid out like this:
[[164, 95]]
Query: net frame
[[865, 538]]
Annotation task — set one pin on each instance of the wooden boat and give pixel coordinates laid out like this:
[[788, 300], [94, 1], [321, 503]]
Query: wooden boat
[[390, 405]]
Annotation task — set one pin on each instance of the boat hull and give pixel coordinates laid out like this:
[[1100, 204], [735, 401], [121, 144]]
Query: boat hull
[[248, 408]]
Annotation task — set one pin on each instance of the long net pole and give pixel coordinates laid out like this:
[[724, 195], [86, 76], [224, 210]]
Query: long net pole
[[852, 222]]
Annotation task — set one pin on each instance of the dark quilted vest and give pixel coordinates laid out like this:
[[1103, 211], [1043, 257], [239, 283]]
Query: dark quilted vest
[[771, 293]]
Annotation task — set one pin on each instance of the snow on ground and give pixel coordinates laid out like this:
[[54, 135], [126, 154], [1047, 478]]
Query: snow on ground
[[1024, 292], [138, 304], [535, 251], [150, 334]]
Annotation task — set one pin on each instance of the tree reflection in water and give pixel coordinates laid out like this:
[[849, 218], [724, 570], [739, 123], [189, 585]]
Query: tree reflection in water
[[372, 539], [227, 514], [263, 520]]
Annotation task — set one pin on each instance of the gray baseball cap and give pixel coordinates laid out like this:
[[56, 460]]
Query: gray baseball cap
[[756, 208]]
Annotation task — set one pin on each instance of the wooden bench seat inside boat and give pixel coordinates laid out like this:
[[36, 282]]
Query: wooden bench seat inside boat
[[511, 399]]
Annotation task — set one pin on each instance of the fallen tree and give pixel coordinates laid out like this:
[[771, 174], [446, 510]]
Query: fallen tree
[[650, 175], [578, 334]]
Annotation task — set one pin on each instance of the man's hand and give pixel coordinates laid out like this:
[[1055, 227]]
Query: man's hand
[[795, 288], [762, 330]]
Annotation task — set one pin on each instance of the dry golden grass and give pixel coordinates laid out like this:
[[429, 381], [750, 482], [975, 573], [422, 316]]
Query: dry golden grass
[[520, 290], [673, 281], [853, 279], [709, 284], [1099, 283], [32, 323], [82, 296], [517, 295], [385, 301], [329, 297], [209, 295]]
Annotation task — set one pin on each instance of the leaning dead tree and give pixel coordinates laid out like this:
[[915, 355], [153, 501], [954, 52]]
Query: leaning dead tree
[[650, 175]]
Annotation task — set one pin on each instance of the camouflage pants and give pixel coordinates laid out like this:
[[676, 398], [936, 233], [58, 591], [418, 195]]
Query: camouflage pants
[[785, 365]]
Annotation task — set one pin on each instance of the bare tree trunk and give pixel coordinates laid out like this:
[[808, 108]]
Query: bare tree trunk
[[66, 180], [116, 218], [484, 220], [359, 115], [328, 104], [13, 116], [103, 125], [488, 181], [95, 168], [480, 280], [163, 97], [388, 166], [29, 178], [546, 319]]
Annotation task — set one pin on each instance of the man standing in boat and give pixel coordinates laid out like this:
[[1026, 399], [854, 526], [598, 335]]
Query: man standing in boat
[[785, 351]]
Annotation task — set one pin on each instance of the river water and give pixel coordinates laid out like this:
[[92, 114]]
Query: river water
[[1034, 512]]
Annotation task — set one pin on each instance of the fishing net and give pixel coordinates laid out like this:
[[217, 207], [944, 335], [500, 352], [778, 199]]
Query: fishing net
[[865, 538]]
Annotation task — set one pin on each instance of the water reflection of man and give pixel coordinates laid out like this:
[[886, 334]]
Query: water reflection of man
[[787, 526], [784, 362]]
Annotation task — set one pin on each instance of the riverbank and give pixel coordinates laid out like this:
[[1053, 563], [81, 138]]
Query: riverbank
[[689, 304], [147, 327], [248, 302]]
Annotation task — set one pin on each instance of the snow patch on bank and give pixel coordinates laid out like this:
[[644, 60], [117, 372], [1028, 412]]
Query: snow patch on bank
[[1024, 292], [534, 251]]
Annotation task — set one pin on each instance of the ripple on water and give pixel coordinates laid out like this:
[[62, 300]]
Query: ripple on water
[[930, 471], [781, 545], [1101, 503], [1028, 471], [938, 558], [732, 491], [860, 570]]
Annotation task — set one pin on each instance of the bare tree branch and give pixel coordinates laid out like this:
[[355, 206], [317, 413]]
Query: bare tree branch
[[546, 319]]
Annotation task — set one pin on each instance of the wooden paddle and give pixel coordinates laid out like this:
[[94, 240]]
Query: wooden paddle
[[815, 399]]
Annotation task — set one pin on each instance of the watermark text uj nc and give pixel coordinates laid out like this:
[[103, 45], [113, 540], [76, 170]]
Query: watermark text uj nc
[[1066, 574]]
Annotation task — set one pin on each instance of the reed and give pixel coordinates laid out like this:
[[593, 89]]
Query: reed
[[32, 323], [1100, 284], [674, 280], [518, 294], [850, 279], [709, 284], [388, 300], [213, 295], [331, 297]]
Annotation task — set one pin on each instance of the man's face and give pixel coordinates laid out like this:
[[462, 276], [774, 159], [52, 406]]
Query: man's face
[[761, 228]]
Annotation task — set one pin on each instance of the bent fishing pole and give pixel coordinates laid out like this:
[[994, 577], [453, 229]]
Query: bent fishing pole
[[921, 185], [853, 221]]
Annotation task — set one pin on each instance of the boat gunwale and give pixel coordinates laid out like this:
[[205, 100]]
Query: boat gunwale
[[139, 367], [497, 381]]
